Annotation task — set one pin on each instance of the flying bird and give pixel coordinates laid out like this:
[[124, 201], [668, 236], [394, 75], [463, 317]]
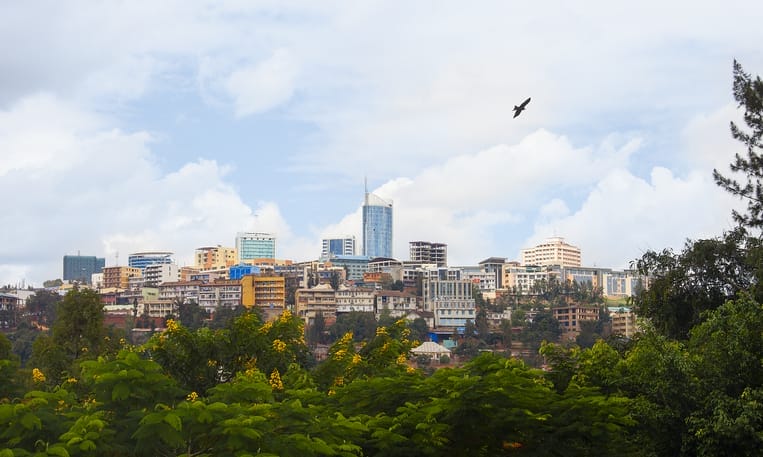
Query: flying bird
[[520, 108]]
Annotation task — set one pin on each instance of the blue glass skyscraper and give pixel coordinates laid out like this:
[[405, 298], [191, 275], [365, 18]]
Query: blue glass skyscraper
[[377, 227]]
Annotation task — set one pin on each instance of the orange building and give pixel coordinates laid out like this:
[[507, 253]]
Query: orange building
[[265, 292], [119, 277], [214, 257]]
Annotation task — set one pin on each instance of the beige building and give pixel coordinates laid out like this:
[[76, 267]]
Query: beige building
[[350, 299], [553, 251], [310, 302], [623, 322], [119, 277], [214, 257], [398, 304], [570, 317]]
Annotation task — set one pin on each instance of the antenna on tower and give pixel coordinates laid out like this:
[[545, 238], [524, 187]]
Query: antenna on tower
[[116, 259]]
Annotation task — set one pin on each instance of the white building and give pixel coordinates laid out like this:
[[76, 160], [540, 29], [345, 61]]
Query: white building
[[185, 291], [398, 304], [450, 300], [219, 294], [354, 299], [339, 246], [153, 275]]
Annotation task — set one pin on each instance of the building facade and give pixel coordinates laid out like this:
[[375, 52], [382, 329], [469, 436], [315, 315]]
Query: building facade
[[349, 299], [397, 304], [344, 246], [119, 277], [553, 251], [222, 293], [214, 257], [570, 317], [184, 291], [623, 321], [264, 291], [451, 301], [153, 275], [428, 252], [377, 227], [143, 259], [318, 300], [354, 265], [82, 267], [255, 245]]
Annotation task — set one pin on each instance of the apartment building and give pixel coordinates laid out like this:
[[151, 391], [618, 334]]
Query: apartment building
[[153, 275], [222, 293], [264, 291], [214, 257], [119, 277], [570, 316], [398, 304], [320, 299], [623, 321], [354, 299], [185, 291]]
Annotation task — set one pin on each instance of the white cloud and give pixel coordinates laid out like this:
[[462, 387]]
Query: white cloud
[[97, 190], [625, 215], [264, 86]]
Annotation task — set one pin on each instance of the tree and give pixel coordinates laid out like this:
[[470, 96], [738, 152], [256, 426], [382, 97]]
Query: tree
[[748, 92], [544, 327], [190, 314], [52, 283], [42, 306], [316, 332], [9, 363], [335, 280], [419, 329], [361, 324], [698, 279]]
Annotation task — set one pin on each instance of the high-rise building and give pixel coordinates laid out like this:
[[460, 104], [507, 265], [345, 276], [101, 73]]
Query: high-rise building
[[553, 251], [377, 227], [82, 267], [338, 246], [428, 252], [255, 245], [143, 259], [214, 257]]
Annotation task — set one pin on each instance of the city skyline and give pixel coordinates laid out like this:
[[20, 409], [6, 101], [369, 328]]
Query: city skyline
[[128, 127]]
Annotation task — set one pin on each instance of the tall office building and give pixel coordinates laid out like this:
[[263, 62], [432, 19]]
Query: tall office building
[[428, 252], [143, 259], [377, 227], [82, 267], [255, 245], [553, 251], [338, 246]]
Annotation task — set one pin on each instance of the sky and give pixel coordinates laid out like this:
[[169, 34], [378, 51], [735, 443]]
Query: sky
[[143, 125]]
